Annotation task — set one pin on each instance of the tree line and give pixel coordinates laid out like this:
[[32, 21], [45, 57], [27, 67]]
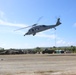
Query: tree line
[[38, 50]]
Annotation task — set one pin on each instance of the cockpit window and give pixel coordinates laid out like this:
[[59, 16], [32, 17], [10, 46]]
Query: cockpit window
[[43, 26], [31, 30]]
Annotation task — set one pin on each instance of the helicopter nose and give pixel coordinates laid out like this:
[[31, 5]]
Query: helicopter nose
[[26, 34]]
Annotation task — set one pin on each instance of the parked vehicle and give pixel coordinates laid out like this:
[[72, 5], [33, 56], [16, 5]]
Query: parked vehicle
[[48, 51]]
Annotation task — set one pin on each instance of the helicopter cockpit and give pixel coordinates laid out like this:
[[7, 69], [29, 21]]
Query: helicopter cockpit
[[43, 26]]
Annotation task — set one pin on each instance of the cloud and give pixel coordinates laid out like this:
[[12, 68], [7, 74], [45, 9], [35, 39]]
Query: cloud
[[14, 45], [61, 42], [11, 24], [64, 43], [3, 21], [2, 14], [52, 36]]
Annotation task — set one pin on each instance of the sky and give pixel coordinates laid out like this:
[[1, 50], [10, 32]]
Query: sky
[[15, 14]]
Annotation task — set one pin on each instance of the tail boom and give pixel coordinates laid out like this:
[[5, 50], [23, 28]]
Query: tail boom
[[58, 21]]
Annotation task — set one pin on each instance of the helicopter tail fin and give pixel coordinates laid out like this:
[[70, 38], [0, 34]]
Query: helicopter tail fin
[[58, 22]]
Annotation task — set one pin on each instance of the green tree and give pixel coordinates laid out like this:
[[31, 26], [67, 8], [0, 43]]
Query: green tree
[[54, 48], [73, 48], [38, 50]]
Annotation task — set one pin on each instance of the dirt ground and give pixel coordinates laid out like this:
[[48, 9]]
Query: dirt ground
[[38, 64]]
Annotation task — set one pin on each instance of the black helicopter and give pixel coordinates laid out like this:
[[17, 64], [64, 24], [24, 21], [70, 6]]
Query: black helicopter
[[38, 28]]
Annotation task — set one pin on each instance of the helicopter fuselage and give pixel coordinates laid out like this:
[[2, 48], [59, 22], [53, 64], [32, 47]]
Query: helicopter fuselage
[[35, 29], [39, 28]]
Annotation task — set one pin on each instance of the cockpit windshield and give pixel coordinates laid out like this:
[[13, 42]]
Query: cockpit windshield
[[43, 25]]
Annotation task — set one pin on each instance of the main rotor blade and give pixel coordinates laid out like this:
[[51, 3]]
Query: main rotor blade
[[22, 28], [31, 25], [39, 19]]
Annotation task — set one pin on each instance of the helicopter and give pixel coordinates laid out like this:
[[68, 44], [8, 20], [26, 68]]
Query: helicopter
[[35, 28]]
